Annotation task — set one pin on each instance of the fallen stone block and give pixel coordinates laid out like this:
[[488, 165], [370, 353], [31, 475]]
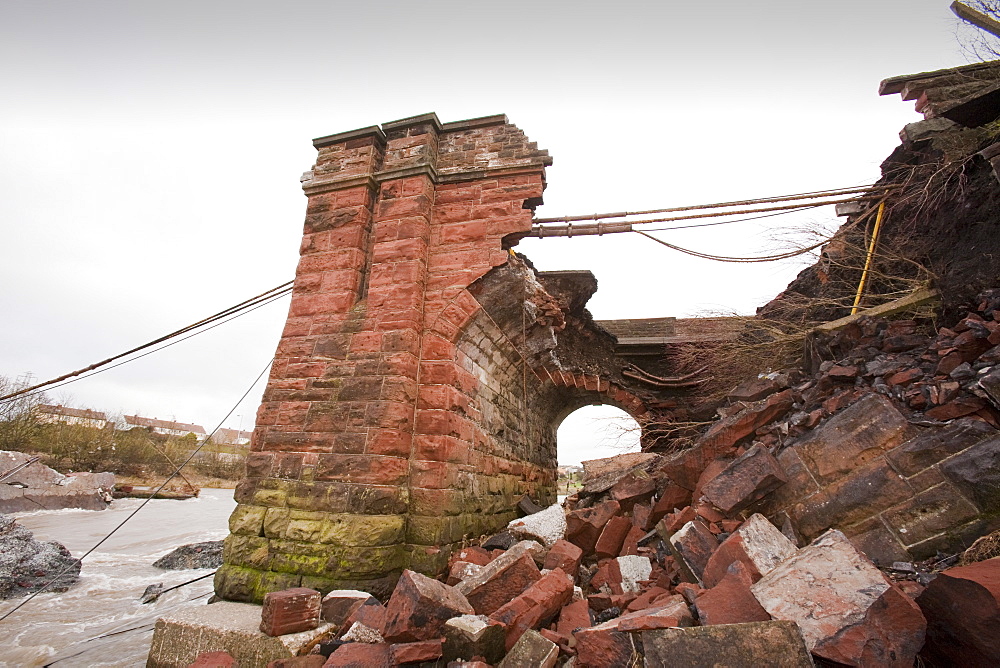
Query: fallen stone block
[[360, 655], [584, 526], [536, 606], [776, 644], [757, 544], [746, 480], [612, 537], [461, 570], [358, 632], [573, 616], [546, 526], [671, 498], [604, 645], [598, 468], [565, 555], [467, 636], [339, 604], [531, 651], [632, 570], [847, 610], [692, 545], [216, 660], [371, 613], [855, 436], [307, 661], [675, 612], [635, 487], [416, 652], [962, 606], [419, 607], [180, 636], [504, 585], [503, 578], [730, 601], [290, 611]]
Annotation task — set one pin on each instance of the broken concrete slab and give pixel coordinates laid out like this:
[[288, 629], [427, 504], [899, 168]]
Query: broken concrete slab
[[546, 526], [633, 569], [179, 637], [38, 487], [776, 644], [847, 610]]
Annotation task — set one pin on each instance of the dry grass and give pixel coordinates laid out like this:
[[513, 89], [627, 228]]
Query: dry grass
[[985, 547]]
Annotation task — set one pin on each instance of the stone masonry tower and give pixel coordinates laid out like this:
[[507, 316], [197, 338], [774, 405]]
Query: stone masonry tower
[[393, 424]]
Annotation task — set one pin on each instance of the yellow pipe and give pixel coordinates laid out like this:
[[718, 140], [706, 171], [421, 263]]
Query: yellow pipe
[[868, 259]]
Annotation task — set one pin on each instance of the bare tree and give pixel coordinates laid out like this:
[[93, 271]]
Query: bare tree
[[19, 420], [976, 37]]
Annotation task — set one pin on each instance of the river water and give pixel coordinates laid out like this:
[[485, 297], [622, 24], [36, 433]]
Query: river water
[[99, 621]]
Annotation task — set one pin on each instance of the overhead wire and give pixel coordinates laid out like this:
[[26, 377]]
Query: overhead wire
[[273, 293], [159, 489]]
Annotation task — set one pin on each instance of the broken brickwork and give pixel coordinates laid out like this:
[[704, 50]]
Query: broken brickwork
[[417, 386]]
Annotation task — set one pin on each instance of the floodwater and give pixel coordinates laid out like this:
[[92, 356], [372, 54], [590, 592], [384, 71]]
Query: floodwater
[[99, 621]]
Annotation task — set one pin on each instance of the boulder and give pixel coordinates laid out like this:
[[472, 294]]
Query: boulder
[[38, 486], [27, 565], [962, 606], [546, 526], [419, 607], [848, 612], [193, 555], [776, 644]]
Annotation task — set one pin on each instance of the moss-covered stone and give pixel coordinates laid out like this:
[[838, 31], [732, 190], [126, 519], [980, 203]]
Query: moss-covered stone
[[377, 500], [272, 581], [363, 530], [271, 493], [247, 520], [248, 551], [235, 583], [320, 496], [429, 560]]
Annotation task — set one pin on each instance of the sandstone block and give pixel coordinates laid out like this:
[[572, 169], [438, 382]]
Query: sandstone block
[[504, 585], [371, 613], [546, 526], [604, 645], [536, 606], [416, 652], [573, 616], [976, 473], [339, 604], [360, 655], [565, 555], [853, 437], [935, 444], [419, 607], [776, 644], [467, 636], [962, 606], [308, 661], [847, 611], [748, 478], [757, 544], [612, 537], [671, 498], [675, 612], [290, 611], [584, 527], [693, 544], [531, 651], [215, 660], [635, 487], [730, 601]]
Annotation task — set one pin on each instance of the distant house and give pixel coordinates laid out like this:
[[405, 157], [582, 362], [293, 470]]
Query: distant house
[[67, 415], [166, 427], [224, 436]]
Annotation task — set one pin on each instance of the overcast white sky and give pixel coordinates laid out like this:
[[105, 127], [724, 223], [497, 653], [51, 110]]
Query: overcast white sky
[[150, 153]]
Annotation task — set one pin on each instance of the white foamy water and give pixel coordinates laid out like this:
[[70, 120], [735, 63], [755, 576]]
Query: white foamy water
[[99, 621]]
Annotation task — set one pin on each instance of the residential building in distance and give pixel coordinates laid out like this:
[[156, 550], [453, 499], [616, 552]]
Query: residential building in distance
[[67, 415], [166, 427], [224, 436]]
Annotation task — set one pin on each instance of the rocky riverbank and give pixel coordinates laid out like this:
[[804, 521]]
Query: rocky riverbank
[[27, 565]]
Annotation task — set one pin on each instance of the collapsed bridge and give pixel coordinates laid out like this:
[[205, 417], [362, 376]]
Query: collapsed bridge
[[424, 366]]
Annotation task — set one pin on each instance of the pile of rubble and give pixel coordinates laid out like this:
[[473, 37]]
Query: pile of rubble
[[813, 522]]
